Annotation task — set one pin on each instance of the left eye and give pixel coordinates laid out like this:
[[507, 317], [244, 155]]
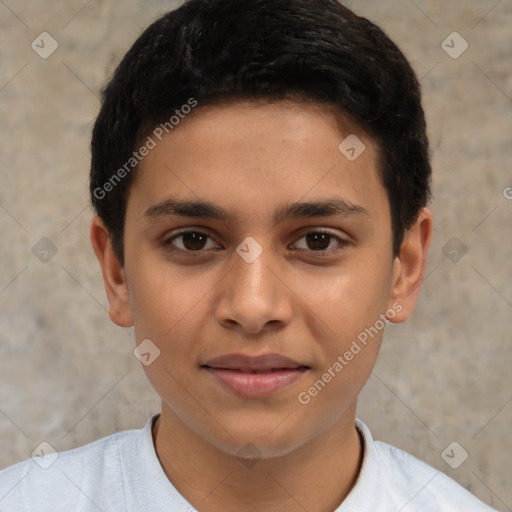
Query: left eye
[[320, 241], [316, 241]]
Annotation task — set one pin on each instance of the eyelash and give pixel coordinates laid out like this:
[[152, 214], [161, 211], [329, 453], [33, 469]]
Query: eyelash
[[167, 243]]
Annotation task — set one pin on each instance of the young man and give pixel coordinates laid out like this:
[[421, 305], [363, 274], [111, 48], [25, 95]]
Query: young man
[[260, 171]]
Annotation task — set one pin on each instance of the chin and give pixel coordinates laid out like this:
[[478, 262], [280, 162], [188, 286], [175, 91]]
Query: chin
[[254, 439]]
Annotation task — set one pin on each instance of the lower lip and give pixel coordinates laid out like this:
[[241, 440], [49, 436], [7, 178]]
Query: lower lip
[[256, 385]]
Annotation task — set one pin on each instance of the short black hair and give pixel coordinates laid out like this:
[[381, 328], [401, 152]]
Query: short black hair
[[207, 52]]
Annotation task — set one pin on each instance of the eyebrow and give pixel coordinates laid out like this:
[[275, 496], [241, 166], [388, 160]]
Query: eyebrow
[[206, 209]]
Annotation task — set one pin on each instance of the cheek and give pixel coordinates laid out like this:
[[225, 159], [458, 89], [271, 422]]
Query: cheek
[[347, 301], [349, 330], [166, 310], [165, 299]]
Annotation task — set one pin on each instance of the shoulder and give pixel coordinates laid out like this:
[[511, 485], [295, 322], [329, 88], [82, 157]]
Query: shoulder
[[392, 479], [84, 478], [431, 487]]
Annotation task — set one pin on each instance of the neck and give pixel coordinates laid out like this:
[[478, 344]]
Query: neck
[[317, 476]]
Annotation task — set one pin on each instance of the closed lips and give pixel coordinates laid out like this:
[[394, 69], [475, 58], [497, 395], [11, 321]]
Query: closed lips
[[265, 363], [255, 377], [249, 370]]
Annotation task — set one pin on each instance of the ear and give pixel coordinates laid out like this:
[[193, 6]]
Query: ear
[[113, 275], [409, 266]]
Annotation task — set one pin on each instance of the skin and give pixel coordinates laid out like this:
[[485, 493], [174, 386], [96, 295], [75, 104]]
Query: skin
[[292, 300]]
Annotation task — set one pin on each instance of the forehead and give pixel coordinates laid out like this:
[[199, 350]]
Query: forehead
[[257, 158]]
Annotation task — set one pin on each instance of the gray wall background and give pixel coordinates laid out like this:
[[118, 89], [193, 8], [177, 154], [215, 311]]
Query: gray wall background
[[68, 375]]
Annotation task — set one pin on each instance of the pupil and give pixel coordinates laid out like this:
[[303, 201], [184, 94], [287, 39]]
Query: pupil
[[318, 238], [192, 241]]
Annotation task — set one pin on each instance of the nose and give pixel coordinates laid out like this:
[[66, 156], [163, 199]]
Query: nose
[[253, 297]]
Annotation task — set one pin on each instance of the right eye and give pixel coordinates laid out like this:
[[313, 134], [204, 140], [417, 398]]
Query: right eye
[[192, 241]]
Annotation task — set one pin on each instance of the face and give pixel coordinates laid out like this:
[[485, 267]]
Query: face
[[258, 261]]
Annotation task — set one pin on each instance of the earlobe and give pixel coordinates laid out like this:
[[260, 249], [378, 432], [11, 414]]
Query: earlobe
[[409, 266], [114, 277]]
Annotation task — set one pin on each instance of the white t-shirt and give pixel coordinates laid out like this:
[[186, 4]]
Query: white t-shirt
[[122, 473]]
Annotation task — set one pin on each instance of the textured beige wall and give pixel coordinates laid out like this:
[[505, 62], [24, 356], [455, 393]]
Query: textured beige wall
[[68, 376]]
